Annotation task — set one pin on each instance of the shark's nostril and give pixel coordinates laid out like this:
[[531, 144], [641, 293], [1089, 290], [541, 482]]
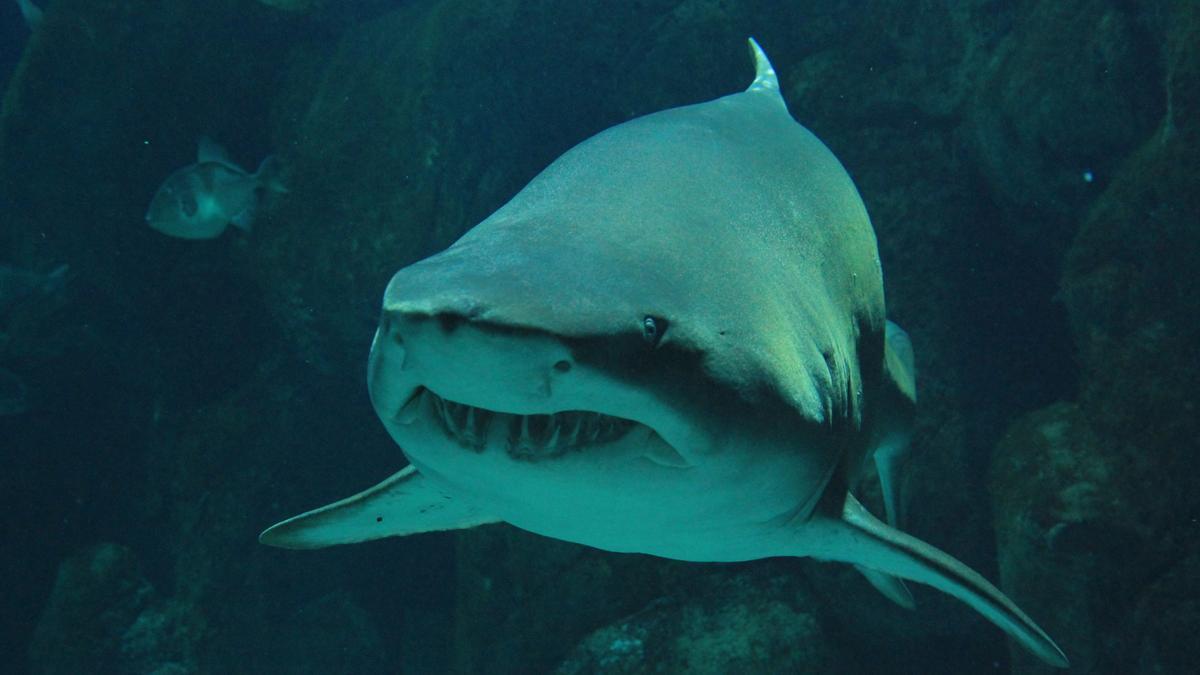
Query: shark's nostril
[[563, 366], [388, 328]]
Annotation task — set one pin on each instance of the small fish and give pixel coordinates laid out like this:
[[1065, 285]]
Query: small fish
[[18, 284], [14, 397], [200, 200], [31, 12]]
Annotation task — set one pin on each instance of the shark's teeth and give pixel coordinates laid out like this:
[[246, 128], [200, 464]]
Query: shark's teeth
[[529, 437]]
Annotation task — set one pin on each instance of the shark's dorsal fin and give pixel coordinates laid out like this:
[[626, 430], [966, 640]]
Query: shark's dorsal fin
[[765, 79]]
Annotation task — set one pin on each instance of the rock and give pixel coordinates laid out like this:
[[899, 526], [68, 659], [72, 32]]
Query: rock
[[745, 623], [1092, 499], [331, 634], [1095, 512], [1167, 617], [98, 594], [1066, 506], [162, 640], [1129, 282], [1069, 92], [523, 600]]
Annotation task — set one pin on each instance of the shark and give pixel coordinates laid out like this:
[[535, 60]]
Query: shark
[[672, 341]]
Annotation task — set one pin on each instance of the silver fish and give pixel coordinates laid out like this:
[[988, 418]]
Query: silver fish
[[200, 200]]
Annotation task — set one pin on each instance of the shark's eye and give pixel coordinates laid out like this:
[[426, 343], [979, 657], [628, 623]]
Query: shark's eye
[[653, 328]]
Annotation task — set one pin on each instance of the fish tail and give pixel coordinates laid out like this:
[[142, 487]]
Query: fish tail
[[269, 175]]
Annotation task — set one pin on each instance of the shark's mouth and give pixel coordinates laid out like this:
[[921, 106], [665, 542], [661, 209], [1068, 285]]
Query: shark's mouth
[[528, 437]]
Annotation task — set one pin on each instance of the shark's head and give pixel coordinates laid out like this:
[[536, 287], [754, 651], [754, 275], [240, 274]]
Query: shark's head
[[562, 355], [512, 366]]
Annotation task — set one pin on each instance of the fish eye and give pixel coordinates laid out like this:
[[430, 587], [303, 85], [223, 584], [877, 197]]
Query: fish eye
[[653, 328], [187, 203]]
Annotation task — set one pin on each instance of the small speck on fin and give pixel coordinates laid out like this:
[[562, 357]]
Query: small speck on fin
[[404, 504]]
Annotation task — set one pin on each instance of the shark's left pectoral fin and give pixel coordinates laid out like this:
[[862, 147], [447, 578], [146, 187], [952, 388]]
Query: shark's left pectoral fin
[[404, 504], [867, 542]]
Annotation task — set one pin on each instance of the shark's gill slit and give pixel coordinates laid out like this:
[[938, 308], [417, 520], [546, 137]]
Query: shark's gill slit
[[528, 436]]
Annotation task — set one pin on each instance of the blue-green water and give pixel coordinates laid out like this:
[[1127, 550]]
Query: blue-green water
[[1029, 170]]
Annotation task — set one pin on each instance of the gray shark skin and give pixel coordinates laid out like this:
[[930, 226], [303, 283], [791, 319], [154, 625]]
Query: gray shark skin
[[672, 341]]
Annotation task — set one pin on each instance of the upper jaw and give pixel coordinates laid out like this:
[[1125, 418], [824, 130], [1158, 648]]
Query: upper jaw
[[601, 410], [524, 436]]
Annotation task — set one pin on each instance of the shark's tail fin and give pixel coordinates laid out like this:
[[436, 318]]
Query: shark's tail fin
[[893, 552]]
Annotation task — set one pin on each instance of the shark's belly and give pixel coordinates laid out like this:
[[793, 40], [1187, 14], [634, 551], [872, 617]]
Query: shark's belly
[[615, 497]]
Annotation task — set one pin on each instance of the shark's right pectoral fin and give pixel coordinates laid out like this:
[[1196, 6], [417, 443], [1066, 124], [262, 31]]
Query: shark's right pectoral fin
[[404, 504], [867, 542]]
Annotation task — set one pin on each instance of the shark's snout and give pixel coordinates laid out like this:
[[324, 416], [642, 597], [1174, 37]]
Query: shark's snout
[[463, 357]]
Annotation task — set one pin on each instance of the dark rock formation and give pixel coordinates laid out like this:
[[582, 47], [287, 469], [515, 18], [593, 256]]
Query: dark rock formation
[[1068, 533], [1097, 502], [743, 623], [1066, 95], [103, 616], [332, 634], [524, 600], [1166, 619]]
